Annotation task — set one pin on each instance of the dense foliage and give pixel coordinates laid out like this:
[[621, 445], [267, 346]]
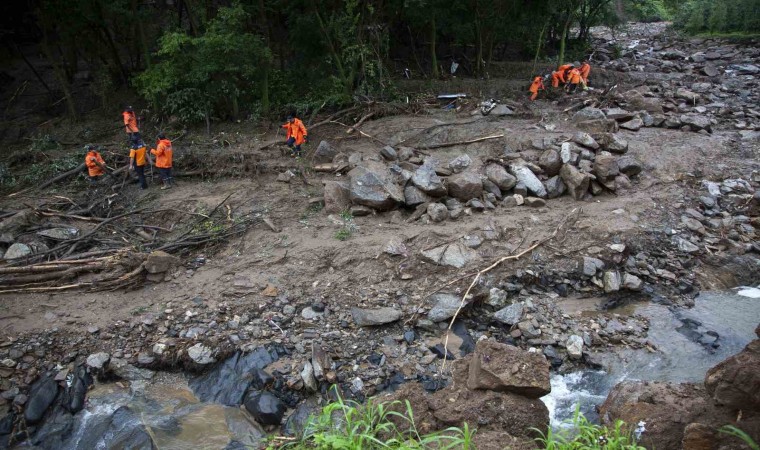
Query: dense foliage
[[224, 59]]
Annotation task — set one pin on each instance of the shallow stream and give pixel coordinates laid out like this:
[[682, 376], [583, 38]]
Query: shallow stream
[[688, 342]]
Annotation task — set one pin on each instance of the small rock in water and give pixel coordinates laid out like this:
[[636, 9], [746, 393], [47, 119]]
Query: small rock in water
[[265, 407], [574, 346]]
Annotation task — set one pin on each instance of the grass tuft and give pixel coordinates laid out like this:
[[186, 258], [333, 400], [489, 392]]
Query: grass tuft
[[585, 435]]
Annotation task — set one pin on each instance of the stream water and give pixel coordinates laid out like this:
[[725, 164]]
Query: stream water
[[689, 342], [168, 413]]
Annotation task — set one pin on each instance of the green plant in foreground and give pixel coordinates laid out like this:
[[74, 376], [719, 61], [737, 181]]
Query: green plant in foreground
[[343, 234], [584, 435], [735, 432], [348, 425], [346, 215]]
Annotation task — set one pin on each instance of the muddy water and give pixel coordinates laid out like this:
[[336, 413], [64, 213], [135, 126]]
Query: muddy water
[[689, 342]]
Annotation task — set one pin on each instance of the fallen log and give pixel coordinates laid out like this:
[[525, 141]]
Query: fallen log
[[452, 144], [56, 179]]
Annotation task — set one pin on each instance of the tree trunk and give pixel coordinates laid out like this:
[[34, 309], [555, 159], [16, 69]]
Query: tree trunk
[[563, 39], [433, 57], [538, 45], [59, 74]]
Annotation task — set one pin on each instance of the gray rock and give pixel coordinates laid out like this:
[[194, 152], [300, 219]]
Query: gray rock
[[590, 265], [696, 122], [428, 181], [307, 375], [687, 95], [710, 70], [606, 167], [686, 246], [619, 114], [612, 142], [372, 189], [460, 163], [309, 314], [629, 165], [534, 202], [521, 190], [265, 407], [437, 212], [576, 181], [585, 140], [555, 187], [598, 126], [122, 369], [510, 315], [496, 297], [528, 330], [567, 155], [491, 188], [160, 262], [286, 177], [574, 346], [634, 124], [17, 250], [588, 113], [60, 233], [201, 354], [501, 110], [337, 196], [527, 177], [325, 152], [455, 255], [413, 196], [693, 224], [612, 281], [373, 317], [499, 176], [632, 282], [550, 161], [444, 307], [465, 186], [97, 360], [405, 153], [389, 153]]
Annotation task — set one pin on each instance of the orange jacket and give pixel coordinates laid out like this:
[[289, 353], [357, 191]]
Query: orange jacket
[[585, 70], [130, 122], [537, 84], [575, 76], [163, 154], [296, 130], [91, 161], [137, 155]]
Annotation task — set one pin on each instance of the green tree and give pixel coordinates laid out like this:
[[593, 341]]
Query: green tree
[[208, 74]]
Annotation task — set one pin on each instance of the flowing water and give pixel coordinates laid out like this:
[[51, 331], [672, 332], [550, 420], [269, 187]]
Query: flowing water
[[167, 413], [689, 342]]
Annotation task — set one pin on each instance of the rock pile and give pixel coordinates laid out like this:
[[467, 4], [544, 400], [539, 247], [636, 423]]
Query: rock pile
[[582, 165]]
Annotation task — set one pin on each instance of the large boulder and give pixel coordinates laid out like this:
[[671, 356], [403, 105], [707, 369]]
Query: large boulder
[[577, 182], [598, 126], [229, 380], [41, 395], [490, 410], [529, 179], [371, 186], [324, 152], [696, 122], [666, 409], [465, 186], [498, 175], [505, 368], [17, 223], [638, 102], [337, 196], [428, 181], [550, 162], [735, 382]]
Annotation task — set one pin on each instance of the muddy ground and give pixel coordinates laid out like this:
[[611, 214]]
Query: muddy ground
[[296, 286]]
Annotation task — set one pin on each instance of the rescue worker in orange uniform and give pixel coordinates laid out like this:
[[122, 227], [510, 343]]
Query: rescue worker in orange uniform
[[296, 135], [163, 152], [537, 85], [560, 75], [130, 124], [96, 167], [573, 79], [585, 69], [137, 160]]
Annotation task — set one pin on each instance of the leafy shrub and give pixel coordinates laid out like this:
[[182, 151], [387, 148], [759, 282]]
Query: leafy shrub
[[648, 10], [719, 16]]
